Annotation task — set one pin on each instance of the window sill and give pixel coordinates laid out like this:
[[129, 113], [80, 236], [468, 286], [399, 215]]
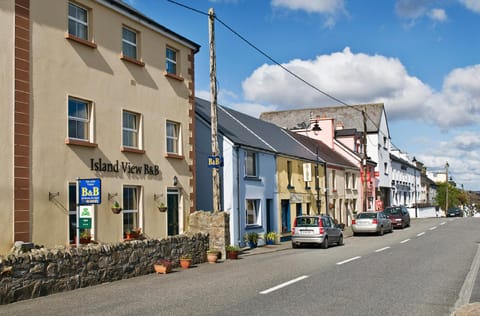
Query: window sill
[[80, 40], [289, 187], [173, 76], [77, 142], [132, 60], [174, 156], [252, 178], [252, 226], [131, 150]]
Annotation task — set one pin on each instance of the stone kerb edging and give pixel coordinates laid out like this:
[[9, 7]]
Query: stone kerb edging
[[44, 271]]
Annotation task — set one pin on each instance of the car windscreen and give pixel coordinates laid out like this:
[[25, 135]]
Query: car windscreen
[[392, 211], [307, 221], [367, 215]]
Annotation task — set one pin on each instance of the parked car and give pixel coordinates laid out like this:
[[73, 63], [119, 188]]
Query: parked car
[[317, 230], [371, 222], [454, 211], [398, 215]]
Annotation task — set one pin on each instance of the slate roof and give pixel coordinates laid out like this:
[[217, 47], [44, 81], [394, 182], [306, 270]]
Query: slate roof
[[330, 156], [248, 131], [350, 116]]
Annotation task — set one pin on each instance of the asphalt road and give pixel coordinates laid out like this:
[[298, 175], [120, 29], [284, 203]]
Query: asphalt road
[[422, 270]]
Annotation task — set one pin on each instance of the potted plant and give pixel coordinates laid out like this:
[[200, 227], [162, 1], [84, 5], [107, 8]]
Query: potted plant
[[162, 207], [162, 266], [85, 237], [136, 232], [251, 238], [186, 260], [116, 208], [232, 251], [271, 238], [212, 255], [128, 234]]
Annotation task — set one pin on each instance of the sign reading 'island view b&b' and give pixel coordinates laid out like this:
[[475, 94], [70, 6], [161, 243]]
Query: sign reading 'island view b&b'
[[124, 166]]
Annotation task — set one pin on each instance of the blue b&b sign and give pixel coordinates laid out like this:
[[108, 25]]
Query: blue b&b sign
[[215, 161], [89, 191]]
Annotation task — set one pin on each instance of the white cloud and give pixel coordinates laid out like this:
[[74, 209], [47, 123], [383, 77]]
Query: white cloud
[[473, 5], [360, 78], [324, 6], [438, 15], [411, 9]]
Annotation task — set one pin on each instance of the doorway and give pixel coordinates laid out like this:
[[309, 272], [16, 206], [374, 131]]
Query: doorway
[[172, 212]]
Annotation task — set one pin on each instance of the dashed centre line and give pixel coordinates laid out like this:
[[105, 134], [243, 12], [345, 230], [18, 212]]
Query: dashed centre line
[[348, 260], [433, 228], [443, 223], [404, 241], [421, 234], [382, 249], [283, 284]]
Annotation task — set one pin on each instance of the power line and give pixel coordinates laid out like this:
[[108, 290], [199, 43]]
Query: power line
[[273, 60]]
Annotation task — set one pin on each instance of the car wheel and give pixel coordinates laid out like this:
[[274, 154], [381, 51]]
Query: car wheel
[[324, 244], [381, 231], [294, 245], [340, 241]]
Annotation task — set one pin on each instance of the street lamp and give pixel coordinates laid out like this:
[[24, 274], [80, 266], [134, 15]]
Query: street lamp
[[446, 186], [415, 191], [316, 128]]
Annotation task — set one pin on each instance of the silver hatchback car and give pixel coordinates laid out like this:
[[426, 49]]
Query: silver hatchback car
[[316, 229], [371, 222]]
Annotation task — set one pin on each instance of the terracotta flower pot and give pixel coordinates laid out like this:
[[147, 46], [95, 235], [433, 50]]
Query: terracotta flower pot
[[232, 255], [185, 263], [160, 268], [212, 257]]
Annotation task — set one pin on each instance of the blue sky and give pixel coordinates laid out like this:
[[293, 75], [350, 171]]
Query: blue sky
[[421, 58]]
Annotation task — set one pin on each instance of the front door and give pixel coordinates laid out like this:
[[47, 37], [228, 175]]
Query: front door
[[172, 212], [286, 227]]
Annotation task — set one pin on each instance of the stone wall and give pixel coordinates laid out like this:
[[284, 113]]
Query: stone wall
[[216, 225], [43, 271]]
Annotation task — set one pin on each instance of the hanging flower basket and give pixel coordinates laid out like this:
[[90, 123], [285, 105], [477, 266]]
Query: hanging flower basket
[[162, 208], [116, 210]]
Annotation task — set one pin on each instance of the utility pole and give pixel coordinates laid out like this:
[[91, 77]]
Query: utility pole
[[365, 186], [213, 105], [446, 187]]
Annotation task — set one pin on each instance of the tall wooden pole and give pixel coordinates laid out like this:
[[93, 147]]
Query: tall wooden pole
[[365, 185], [213, 105]]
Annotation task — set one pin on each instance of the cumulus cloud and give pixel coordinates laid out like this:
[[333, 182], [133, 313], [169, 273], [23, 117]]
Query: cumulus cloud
[[473, 5], [411, 9], [330, 8], [324, 6], [438, 15], [360, 78]]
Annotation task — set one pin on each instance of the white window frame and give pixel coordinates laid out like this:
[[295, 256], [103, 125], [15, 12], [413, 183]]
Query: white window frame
[[78, 22], [136, 131], [87, 122], [169, 62], [174, 140], [136, 210], [253, 160], [334, 180], [252, 210], [130, 43], [354, 181], [347, 180]]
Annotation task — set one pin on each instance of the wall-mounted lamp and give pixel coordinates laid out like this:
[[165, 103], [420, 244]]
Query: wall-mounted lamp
[[110, 196], [316, 128], [52, 195], [175, 180]]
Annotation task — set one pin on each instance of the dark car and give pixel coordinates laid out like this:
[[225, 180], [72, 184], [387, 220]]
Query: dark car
[[454, 212], [316, 229], [398, 215]]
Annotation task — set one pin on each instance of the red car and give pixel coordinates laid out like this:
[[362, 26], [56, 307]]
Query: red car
[[398, 215]]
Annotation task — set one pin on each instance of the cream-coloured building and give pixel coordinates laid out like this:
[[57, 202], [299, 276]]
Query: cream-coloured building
[[93, 89]]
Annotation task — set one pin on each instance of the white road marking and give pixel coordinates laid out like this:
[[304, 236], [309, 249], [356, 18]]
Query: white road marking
[[404, 241], [382, 249], [466, 291], [443, 223], [283, 284], [348, 260], [433, 228], [421, 234]]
